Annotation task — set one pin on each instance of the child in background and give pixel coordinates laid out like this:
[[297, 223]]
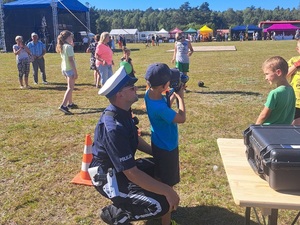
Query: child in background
[[164, 130], [92, 49], [126, 61], [126, 58], [182, 51], [68, 67], [280, 105], [294, 75], [22, 53]]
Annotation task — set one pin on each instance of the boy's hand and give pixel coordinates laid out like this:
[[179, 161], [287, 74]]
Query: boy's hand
[[297, 64]]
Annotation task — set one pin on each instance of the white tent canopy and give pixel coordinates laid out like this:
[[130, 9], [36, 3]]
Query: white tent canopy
[[130, 34], [162, 31], [123, 31]]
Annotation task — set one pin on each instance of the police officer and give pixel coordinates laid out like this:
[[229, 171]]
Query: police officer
[[129, 183]]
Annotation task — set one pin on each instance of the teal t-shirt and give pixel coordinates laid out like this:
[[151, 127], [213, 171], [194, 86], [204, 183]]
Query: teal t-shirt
[[281, 101], [164, 132]]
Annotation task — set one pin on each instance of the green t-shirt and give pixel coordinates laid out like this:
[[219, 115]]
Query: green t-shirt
[[67, 52], [281, 101]]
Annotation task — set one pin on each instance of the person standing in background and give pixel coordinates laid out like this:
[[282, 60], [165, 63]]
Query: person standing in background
[[38, 50], [294, 76], [85, 42], [109, 43], [22, 53], [157, 40], [153, 39], [104, 58], [124, 41], [65, 46], [182, 51], [113, 46], [120, 41], [126, 58], [147, 41], [92, 50]]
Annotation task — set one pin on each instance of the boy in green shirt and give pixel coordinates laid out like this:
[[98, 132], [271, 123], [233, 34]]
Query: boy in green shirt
[[280, 105]]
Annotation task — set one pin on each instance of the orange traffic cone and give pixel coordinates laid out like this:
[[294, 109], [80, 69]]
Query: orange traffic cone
[[83, 177]]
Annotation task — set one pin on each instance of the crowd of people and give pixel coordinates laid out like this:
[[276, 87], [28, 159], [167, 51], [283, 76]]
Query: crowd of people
[[142, 189]]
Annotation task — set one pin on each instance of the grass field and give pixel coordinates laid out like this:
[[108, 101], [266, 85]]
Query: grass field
[[41, 149]]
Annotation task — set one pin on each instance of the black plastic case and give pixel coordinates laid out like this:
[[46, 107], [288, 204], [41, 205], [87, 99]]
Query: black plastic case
[[273, 152]]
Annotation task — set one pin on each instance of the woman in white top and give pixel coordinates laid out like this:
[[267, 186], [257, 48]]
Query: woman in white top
[[22, 53]]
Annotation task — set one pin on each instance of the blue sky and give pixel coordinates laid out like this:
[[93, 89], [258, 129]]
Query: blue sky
[[215, 5]]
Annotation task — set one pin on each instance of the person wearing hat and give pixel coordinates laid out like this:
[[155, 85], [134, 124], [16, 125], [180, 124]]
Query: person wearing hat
[[129, 183], [38, 50], [164, 120]]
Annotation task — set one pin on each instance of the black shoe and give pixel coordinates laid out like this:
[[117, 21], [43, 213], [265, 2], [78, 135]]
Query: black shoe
[[73, 106], [65, 109], [110, 214], [106, 216]]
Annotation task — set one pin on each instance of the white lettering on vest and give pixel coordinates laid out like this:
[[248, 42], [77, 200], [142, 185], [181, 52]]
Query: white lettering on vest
[[125, 158]]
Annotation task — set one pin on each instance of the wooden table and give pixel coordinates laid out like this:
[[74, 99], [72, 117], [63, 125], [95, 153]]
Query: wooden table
[[248, 189]]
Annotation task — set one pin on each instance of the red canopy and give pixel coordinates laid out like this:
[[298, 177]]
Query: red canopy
[[281, 27], [176, 30]]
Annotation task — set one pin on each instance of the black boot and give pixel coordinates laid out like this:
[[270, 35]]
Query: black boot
[[114, 216]]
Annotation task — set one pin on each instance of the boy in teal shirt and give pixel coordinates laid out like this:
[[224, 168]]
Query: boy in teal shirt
[[164, 130]]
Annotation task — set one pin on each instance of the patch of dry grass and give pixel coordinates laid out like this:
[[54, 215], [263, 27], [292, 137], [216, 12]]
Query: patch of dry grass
[[41, 149]]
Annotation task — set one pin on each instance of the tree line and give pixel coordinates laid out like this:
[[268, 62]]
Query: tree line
[[185, 17]]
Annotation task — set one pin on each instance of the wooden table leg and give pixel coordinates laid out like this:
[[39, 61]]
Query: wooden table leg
[[272, 219], [247, 215]]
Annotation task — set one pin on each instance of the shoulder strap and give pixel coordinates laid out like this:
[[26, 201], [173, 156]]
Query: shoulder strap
[[110, 113]]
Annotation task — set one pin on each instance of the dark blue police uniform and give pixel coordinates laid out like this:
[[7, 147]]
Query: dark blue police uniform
[[115, 144]]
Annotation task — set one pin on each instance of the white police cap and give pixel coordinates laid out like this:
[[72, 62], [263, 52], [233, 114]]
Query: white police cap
[[116, 82]]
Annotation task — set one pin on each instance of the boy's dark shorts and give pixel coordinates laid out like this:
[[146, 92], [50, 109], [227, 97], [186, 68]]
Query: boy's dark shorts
[[166, 165]]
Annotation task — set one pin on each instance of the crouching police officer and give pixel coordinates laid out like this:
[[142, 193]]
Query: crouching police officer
[[115, 173]]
